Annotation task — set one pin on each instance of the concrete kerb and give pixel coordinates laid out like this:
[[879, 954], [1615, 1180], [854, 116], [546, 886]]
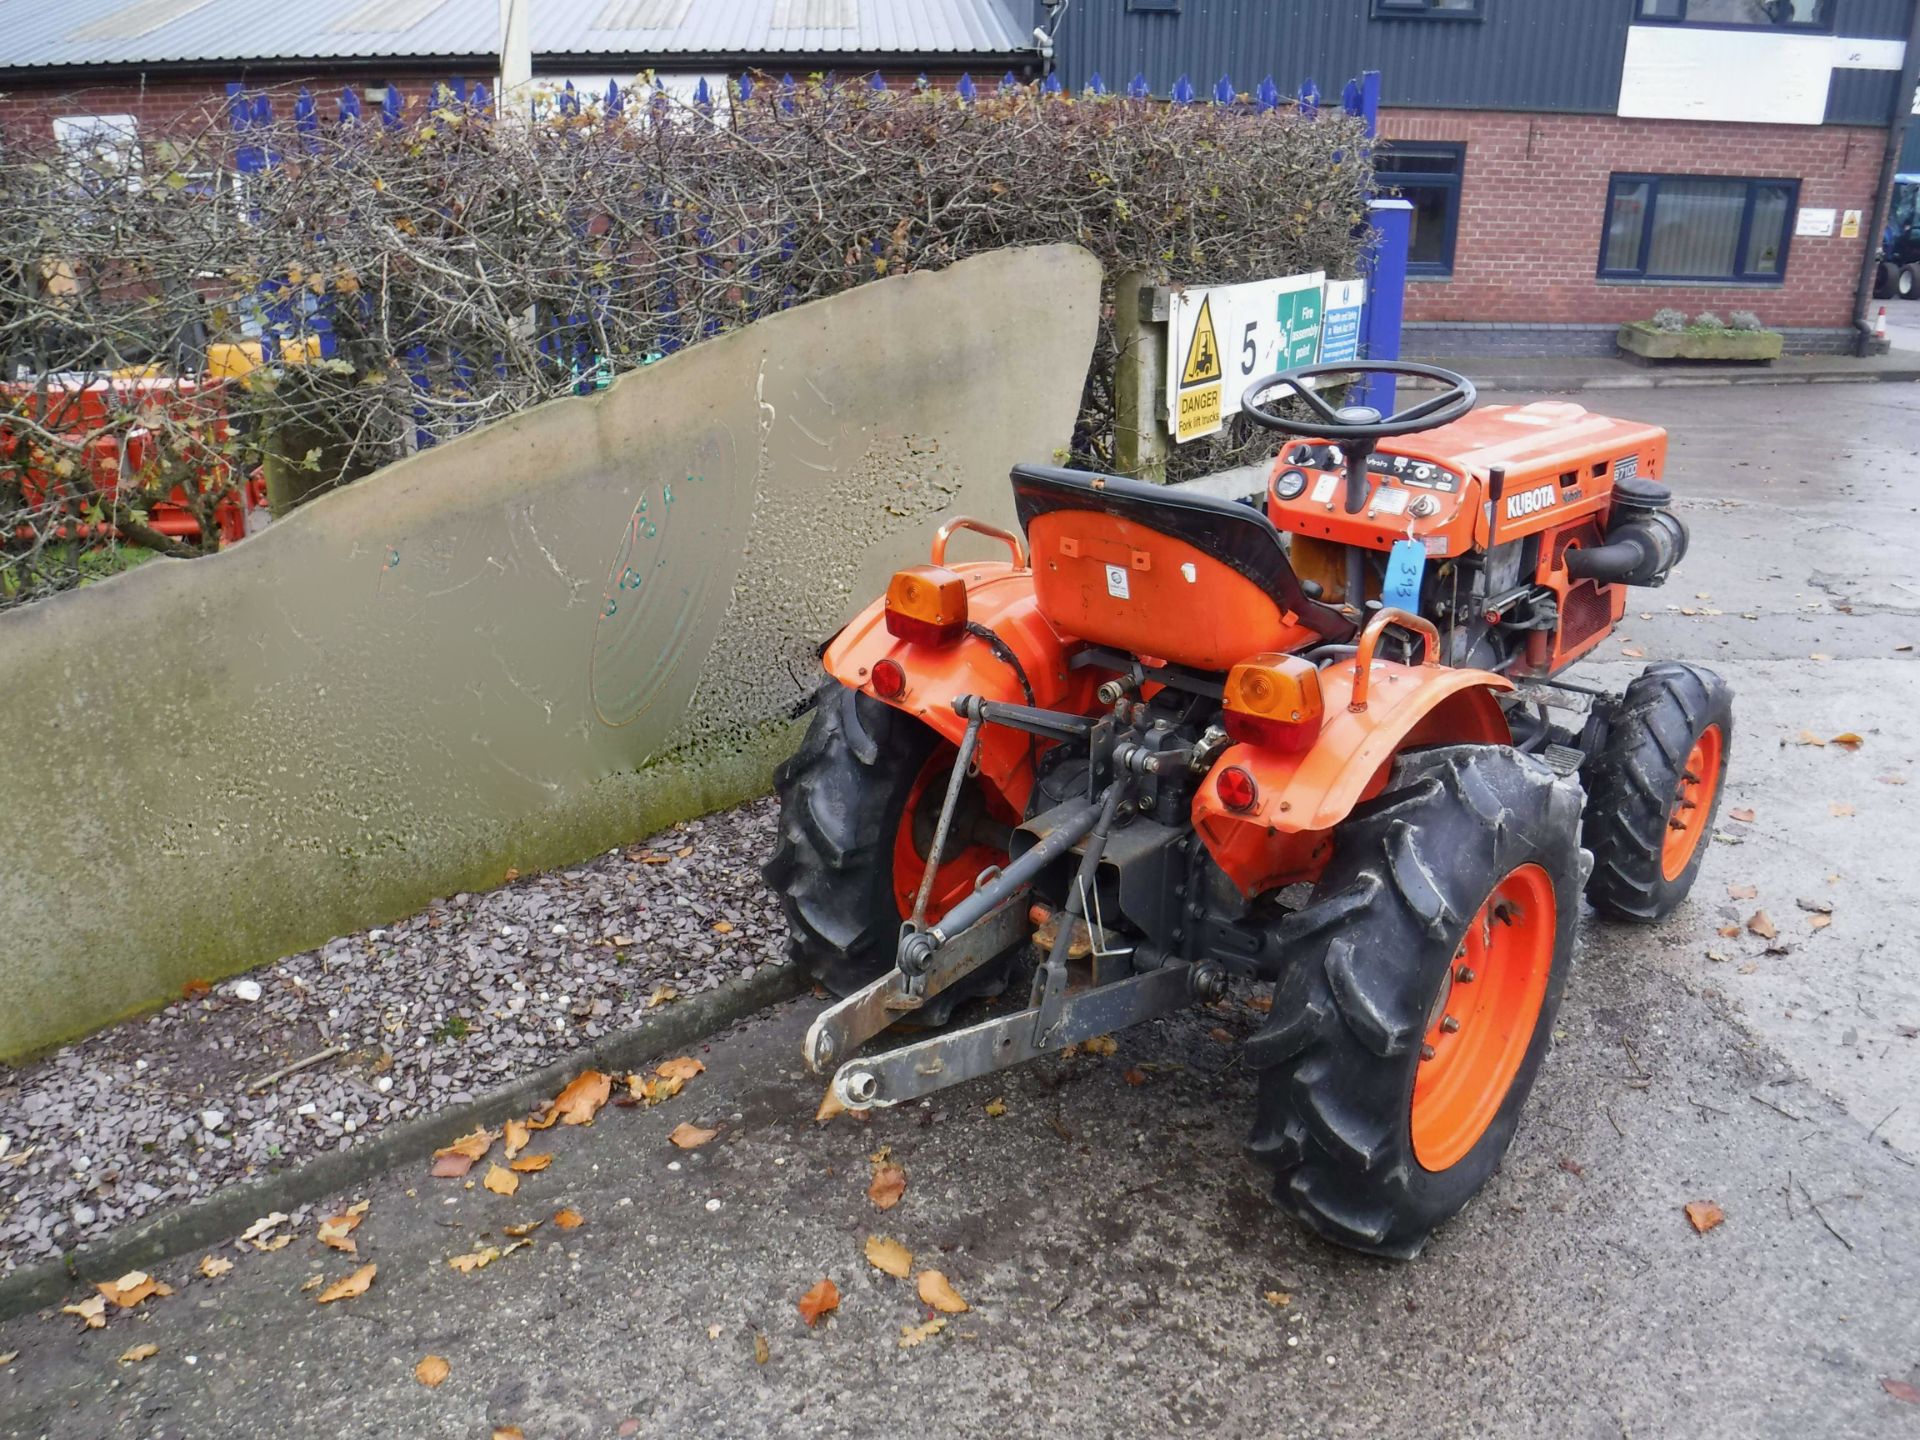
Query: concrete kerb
[[224, 1214]]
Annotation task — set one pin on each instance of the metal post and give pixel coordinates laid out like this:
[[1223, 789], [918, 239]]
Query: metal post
[[1140, 381], [1385, 263]]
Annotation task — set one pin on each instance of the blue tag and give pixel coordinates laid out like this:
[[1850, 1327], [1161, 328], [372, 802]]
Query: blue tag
[[1406, 563]]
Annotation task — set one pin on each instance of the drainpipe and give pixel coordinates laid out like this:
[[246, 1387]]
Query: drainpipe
[[1896, 137]]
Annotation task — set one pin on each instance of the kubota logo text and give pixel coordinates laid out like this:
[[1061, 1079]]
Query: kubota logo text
[[1530, 502]]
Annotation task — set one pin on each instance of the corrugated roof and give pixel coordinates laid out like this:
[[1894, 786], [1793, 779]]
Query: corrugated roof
[[779, 27], [157, 32]]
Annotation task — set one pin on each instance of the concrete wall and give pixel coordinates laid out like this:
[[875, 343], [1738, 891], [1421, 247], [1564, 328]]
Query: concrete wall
[[517, 649]]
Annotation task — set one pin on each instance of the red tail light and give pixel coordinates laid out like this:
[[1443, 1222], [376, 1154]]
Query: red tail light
[[889, 680]]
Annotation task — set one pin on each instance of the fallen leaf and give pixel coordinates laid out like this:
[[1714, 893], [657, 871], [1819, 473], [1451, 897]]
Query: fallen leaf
[[261, 1226], [815, 1304], [1279, 1299], [1760, 925], [568, 1219], [681, 1068], [515, 1232], [1703, 1215], [1633, 652], [474, 1259], [935, 1291], [1262, 1003], [1717, 956], [531, 1164], [830, 1106], [760, 1351], [544, 1120], [1135, 1076], [336, 1233], [1847, 740], [131, 1288], [723, 927], [1900, 1389], [1807, 737], [431, 1371], [912, 1335], [1749, 968], [1221, 1034], [1820, 922], [214, 1266], [1818, 907], [683, 852], [8, 1358], [714, 1331], [1839, 809], [279, 1242], [1101, 1045], [194, 989], [1745, 817], [889, 1255], [314, 1282], [452, 1161], [352, 1285], [690, 1137], [517, 1135], [583, 1097], [889, 1184], [92, 1310], [1742, 892], [139, 1353], [500, 1180], [663, 994], [1816, 655], [996, 1107], [508, 1432]]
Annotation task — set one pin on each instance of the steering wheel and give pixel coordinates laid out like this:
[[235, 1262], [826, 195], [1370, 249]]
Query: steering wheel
[[1357, 428]]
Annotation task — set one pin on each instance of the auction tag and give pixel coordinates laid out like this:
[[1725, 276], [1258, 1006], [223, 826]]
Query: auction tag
[[1406, 563]]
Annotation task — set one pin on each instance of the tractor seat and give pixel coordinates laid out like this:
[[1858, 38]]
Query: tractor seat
[[1163, 573]]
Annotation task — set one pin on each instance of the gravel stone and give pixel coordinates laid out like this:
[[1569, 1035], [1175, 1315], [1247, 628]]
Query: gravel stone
[[432, 1009]]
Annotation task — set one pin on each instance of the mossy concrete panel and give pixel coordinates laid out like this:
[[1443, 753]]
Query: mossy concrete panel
[[513, 650]]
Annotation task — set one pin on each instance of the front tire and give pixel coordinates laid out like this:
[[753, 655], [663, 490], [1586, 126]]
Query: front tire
[[1423, 979], [1655, 790]]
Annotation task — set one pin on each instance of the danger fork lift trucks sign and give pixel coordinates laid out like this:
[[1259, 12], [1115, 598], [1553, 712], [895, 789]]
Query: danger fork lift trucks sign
[[1221, 338]]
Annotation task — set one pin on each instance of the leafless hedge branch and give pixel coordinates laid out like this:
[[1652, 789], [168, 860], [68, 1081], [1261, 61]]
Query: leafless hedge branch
[[463, 268]]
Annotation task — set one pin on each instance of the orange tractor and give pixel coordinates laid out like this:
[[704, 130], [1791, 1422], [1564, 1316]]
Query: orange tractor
[[1170, 742]]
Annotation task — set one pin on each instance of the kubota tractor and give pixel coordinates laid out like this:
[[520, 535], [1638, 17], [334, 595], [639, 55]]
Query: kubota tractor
[[1171, 741]]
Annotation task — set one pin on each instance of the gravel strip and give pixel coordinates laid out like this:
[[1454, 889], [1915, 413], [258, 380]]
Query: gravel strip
[[421, 1014]]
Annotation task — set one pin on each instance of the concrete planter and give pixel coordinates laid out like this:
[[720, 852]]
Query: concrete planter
[[1757, 346]]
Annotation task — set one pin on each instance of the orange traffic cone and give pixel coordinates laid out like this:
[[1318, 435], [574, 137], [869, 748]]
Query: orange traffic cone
[[1880, 324]]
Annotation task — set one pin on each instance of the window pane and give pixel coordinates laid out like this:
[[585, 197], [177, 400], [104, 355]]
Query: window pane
[[1427, 237], [1399, 162], [1771, 204], [1756, 12], [1661, 9], [1696, 229], [1624, 223]]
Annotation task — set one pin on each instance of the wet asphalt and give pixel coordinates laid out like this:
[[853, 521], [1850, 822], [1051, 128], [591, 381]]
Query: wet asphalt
[[1119, 1251]]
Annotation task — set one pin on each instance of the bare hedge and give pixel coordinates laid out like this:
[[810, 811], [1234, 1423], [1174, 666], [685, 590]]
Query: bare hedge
[[467, 267]]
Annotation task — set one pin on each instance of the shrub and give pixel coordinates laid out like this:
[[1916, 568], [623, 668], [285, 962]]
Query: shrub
[[1707, 320], [1744, 320], [466, 268], [1669, 321]]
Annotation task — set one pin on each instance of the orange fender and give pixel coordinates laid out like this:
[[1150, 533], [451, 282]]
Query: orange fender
[[999, 598], [1286, 837]]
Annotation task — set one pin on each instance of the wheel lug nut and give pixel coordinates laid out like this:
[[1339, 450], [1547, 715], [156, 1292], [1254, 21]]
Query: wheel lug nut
[[1465, 975], [1449, 1024], [1426, 1052]]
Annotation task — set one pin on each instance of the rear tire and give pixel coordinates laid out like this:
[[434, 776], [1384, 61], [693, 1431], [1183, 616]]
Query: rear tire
[[1907, 283], [1884, 275], [1347, 1117], [1671, 718]]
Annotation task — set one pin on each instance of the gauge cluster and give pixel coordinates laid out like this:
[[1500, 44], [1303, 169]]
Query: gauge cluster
[[1406, 470]]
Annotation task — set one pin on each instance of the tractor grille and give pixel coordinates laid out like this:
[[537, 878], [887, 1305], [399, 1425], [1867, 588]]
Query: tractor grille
[[1586, 610]]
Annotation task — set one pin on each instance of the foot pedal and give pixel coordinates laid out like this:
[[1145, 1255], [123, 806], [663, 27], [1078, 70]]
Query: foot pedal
[[1564, 759]]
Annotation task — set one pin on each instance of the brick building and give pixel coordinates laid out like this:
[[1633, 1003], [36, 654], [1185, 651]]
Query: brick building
[[1578, 163]]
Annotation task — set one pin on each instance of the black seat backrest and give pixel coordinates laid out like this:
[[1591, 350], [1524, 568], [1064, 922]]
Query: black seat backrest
[[1236, 535]]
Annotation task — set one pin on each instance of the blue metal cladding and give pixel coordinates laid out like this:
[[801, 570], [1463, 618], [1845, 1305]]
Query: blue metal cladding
[[1539, 55]]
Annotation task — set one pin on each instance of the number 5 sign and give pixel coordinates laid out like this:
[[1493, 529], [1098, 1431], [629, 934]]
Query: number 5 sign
[[1220, 339]]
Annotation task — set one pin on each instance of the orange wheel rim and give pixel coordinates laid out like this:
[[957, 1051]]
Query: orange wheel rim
[[1692, 803], [1483, 1018], [953, 882]]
